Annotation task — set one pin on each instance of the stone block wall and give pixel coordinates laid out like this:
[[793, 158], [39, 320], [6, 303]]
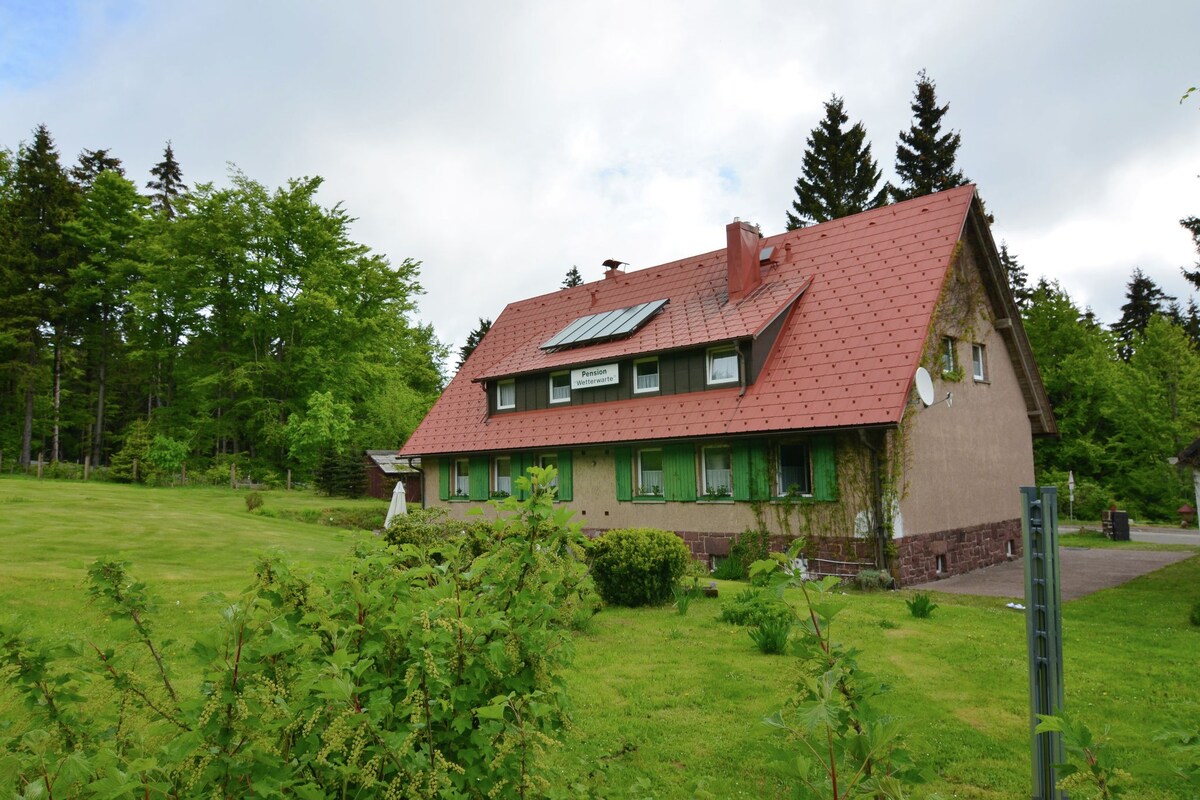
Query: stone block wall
[[917, 558], [962, 550]]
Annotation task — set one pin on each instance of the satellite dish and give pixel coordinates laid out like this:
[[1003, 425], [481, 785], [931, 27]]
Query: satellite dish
[[924, 386]]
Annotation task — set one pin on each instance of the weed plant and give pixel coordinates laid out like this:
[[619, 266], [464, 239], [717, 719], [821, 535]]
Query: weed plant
[[771, 636], [921, 606]]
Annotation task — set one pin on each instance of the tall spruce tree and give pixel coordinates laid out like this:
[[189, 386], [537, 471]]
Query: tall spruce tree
[[840, 177], [925, 157], [1192, 224], [91, 164], [168, 184], [1143, 299], [473, 340], [573, 278], [37, 260]]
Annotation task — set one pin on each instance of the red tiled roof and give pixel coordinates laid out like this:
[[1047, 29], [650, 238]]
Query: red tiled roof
[[845, 358]]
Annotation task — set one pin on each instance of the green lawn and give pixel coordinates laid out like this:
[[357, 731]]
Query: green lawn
[[668, 706]]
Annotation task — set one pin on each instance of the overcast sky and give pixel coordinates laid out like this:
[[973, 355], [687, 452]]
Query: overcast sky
[[500, 143]]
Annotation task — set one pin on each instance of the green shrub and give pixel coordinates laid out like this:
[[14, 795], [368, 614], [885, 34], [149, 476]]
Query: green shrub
[[254, 501], [341, 475], [754, 606], [638, 566], [367, 678], [1195, 616], [748, 547], [771, 636], [729, 569], [426, 527], [870, 580], [921, 606]]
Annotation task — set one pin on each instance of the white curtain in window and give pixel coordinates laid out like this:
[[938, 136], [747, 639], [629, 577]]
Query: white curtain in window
[[724, 367]]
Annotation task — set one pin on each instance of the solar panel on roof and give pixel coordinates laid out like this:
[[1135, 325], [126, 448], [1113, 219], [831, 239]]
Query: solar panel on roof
[[605, 325]]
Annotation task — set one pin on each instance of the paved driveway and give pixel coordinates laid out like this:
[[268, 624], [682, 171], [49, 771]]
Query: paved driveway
[[1084, 571]]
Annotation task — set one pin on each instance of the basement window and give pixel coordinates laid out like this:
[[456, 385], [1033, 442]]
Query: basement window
[[941, 565]]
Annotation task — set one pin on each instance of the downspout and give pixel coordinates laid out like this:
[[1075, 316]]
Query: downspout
[[743, 368], [487, 403], [422, 472]]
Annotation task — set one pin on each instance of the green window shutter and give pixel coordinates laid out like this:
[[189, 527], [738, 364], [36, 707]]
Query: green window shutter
[[444, 478], [679, 472], [623, 463], [760, 472], [824, 467], [750, 470], [480, 486], [520, 462], [566, 487]]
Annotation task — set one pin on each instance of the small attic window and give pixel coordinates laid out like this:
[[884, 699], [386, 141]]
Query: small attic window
[[765, 255]]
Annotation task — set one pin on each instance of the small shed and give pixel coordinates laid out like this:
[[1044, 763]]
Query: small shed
[[385, 468]]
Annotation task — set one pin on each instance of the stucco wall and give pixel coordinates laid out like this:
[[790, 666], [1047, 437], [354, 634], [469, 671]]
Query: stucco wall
[[966, 460]]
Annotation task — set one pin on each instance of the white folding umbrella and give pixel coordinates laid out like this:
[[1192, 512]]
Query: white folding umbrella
[[398, 505]]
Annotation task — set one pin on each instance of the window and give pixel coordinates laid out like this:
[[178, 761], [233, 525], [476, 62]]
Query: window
[[462, 477], [978, 362], [645, 375], [940, 565], [560, 387], [718, 471], [650, 473], [949, 362], [502, 482], [722, 365], [795, 471], [549, 460], [506, 394]]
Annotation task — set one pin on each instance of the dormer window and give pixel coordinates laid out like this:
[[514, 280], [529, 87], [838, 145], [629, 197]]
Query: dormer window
[[506, 394], [722, 365], [560, 387], [645, 375]]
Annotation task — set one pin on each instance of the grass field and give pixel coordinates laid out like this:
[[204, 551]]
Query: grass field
[[669, 706]]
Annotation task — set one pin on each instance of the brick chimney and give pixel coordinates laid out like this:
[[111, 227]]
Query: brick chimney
[[741, 253]]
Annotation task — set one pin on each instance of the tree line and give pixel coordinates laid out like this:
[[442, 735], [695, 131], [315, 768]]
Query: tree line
[[1126, 396], [202, 325]]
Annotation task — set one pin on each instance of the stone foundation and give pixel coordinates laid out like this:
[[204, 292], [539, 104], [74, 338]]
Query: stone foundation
[[931, 556], [919, 559]]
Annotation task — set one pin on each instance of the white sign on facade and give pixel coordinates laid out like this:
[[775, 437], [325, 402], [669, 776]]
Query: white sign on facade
[[588, 377]]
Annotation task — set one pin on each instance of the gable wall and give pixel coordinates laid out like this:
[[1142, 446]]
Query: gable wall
[[965, 462]]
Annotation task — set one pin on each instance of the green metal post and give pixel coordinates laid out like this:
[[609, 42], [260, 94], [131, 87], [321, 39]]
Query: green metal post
[[1043, 626]]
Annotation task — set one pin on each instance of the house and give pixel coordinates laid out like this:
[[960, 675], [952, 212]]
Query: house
[[385, 469], [769, 386]]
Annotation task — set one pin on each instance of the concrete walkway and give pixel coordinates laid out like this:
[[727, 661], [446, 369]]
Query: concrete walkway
[[1083, 570]]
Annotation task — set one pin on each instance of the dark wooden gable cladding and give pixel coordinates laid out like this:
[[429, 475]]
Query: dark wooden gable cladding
[[679, 372]]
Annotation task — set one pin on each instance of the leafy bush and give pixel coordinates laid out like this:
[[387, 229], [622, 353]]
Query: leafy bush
[[637, 566], [754, 606], [254, 501], [1195, 615], [729, 569], [370, 678], [63, 470], [870, 580], [748, 547], [771, 636], [425, 527], [355, 519], [921, 606]]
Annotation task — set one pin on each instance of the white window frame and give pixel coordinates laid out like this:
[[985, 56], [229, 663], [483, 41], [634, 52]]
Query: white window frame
[[719, 352], [462, 477], [727, 486], [781, 487], [642, 484], [949, 354], [549, 460], [978, 362], [566, 375], [637, 389], [500, 387], [497, 485]]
